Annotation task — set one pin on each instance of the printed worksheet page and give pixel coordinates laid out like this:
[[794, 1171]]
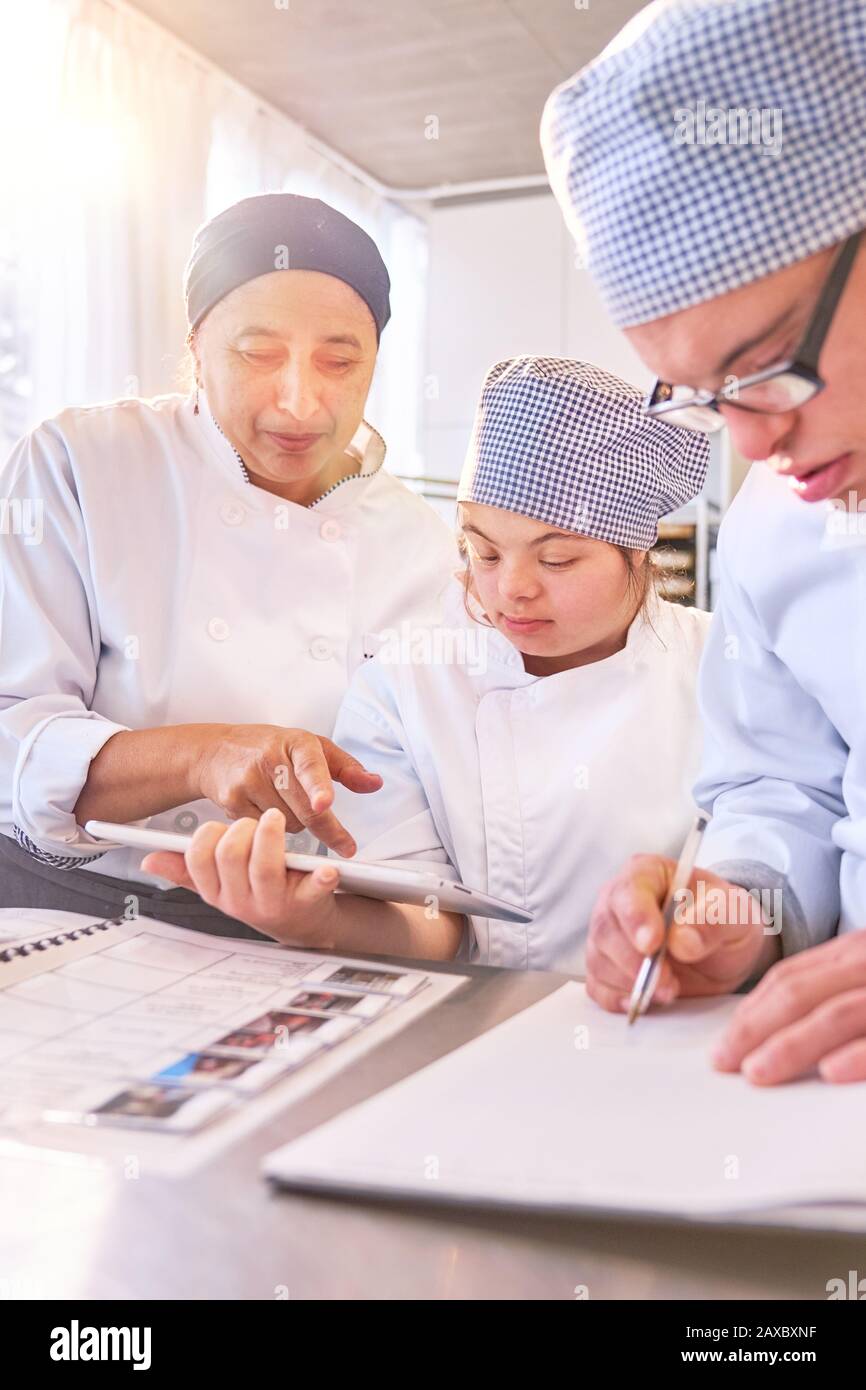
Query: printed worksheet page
[[145, 1025]]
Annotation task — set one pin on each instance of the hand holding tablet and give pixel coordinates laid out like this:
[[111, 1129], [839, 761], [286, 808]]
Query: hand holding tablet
[[320, 876]]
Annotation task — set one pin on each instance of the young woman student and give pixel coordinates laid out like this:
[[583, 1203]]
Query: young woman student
[[545, 728]]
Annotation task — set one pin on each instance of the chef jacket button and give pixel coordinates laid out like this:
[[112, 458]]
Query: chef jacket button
[[218, 629], [320, 649], [232, 513], [330, 530], [186, 821]]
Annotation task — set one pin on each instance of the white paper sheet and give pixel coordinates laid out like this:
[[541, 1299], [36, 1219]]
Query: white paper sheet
[[564, 1107]]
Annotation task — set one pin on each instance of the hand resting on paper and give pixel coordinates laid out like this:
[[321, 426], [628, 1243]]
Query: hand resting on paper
[[808, 1012]]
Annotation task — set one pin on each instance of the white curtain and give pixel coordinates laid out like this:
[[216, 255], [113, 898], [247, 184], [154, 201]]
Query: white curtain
[[126, 142]]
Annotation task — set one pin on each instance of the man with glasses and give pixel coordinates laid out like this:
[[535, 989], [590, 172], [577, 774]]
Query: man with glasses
[[737, 272], [786, 386]]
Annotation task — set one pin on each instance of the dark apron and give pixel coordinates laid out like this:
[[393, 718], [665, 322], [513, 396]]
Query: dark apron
[[26, 882]]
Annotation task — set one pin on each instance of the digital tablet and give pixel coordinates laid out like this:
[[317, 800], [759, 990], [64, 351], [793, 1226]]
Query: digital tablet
[[365, 877]]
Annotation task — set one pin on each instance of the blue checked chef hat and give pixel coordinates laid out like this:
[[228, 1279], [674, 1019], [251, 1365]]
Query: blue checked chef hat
[[711, 144], [571, 445]]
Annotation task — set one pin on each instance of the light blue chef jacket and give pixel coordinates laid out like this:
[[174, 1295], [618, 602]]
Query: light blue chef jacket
[[782, 692]]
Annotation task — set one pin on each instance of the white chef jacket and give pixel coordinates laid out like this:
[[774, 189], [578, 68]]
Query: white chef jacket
[[783, 699], [534, 789], [165, 588]]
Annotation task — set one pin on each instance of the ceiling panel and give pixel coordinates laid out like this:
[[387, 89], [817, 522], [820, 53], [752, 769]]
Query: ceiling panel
[[365, 75]]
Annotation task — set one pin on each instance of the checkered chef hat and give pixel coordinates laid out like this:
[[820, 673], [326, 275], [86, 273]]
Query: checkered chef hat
[[571, 445], [670, 201]]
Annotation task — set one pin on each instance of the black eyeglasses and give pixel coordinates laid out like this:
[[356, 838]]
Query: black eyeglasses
[[770, 392]]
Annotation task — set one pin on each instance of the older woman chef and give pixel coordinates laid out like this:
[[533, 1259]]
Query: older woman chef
[[210, 571]]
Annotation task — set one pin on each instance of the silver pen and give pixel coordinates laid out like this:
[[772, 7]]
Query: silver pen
[[651, 968]]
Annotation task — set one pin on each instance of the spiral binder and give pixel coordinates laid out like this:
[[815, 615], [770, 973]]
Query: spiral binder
[[26, 948]]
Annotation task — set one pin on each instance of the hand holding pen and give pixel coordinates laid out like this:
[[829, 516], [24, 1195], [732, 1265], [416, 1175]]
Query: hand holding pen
[[714, 942], [646, 983]]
